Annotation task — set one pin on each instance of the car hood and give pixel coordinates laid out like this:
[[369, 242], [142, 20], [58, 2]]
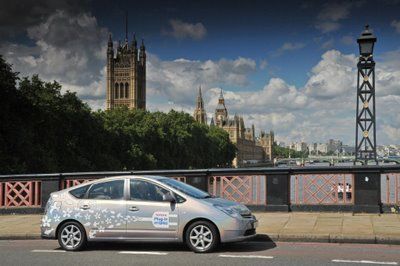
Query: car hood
[[243, 210]]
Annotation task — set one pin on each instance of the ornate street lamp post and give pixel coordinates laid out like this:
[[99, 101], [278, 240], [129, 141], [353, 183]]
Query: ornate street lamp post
[[365, 149]]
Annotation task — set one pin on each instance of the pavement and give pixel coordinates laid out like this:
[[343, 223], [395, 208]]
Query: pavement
[[48, 252], [273, 226]]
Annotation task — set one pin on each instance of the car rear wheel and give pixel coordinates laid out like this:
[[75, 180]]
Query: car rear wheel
[[202, 237], [72, 236]]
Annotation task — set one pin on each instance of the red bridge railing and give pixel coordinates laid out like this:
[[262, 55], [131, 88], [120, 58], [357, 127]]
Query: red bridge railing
[[391, 188], [15, 194], [323, 189], [246, 189], [346, 188]]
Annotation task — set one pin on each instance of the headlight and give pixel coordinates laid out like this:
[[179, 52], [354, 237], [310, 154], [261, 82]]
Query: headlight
[[228, 210]]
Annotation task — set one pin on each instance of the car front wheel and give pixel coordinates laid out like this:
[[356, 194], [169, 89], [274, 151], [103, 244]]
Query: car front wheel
[[72, 236], [202, 237]]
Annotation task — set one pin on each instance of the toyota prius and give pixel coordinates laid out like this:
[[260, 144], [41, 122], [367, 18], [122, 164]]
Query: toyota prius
[[144, 208]]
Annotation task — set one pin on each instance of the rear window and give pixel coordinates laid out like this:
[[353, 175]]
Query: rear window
[[79, 192]]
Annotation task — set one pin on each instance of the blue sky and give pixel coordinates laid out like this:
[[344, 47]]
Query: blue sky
[[257, 30], [288, 66]]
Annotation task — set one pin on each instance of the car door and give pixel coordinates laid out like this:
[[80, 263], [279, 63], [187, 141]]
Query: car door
[[148, 216], [104, 210]]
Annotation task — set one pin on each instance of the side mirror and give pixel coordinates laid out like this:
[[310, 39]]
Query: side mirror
[[169, 197]]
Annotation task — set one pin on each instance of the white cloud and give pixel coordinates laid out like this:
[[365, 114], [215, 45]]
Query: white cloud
[[178, 79], [289, 46], [17, 16], [263, 64], [69, 48], [388, 74], [277, 94], [328, 19], [335, 11], [334, 76], [328, 44], [324, 108], [392, 133], [181, 30], [396, 25], [348, 40], [327, 26]]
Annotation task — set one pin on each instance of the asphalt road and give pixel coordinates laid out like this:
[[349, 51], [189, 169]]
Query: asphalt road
[[47, 252]]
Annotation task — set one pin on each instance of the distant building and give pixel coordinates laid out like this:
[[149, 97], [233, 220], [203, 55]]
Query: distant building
[[281, 144], [199, 112], [322, 148], [347, 150], [312, 148], [300, 146], [126, 75], [249, 148], [334, 146], [266, 140]]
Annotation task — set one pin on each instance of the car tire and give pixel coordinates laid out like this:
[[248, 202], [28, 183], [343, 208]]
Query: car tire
[[202, 237], [72, 236]]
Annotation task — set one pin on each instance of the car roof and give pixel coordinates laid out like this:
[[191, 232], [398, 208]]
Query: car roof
[[110, 178], [154, 177]]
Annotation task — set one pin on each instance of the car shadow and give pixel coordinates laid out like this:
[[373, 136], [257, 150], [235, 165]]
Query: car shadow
[[136, 246], [248, 246], [245, 246]]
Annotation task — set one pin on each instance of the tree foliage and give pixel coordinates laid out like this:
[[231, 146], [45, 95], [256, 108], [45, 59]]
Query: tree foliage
[[45, 130], [284, 152]]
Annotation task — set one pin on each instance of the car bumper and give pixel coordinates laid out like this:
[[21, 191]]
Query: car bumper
[[47, 233], [240, 230]]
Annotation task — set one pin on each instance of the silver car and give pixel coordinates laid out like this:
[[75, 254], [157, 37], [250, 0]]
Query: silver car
[[144, 208]]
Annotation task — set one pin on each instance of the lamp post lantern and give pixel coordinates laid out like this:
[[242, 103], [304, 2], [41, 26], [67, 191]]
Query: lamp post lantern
[[365, 149]]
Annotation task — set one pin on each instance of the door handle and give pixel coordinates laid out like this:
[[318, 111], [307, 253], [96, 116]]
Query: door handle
[[133, 209], [85, 207]]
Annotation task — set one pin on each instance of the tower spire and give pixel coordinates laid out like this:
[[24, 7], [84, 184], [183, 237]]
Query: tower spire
[[126, 26], [110, 49], [221, 114], [199, 112]]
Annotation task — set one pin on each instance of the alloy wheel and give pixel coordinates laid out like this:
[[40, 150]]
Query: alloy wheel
[[71, 236], [201, 237]]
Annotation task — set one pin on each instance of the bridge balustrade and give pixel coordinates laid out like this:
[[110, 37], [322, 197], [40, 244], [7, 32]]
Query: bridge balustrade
[[335, 188]]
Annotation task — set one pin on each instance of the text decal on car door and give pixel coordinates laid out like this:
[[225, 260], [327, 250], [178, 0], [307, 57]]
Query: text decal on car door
[[161, 219]]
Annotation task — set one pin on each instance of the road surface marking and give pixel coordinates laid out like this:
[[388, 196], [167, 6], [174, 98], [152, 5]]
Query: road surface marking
[[367, 262], [144, 253], [246, 256], [47, 251]]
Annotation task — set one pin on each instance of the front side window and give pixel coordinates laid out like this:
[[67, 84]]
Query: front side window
[[79, 192], [112, 190], [146, 191], [185, 188]]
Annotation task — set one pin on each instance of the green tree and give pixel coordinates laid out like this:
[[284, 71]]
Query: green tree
[[166, 140], [46, 130], [15, 125], [284, 152]]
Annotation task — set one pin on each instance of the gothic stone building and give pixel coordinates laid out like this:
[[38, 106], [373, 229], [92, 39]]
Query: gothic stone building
[[199, 112], [126, 75], [249, 148]]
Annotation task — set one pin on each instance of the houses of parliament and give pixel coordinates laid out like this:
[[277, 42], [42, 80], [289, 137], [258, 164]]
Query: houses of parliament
[[126, 86], [250, 149], [126, 74]]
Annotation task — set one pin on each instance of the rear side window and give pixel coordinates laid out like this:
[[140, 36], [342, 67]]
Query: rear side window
[[79, 192], [112, 190]]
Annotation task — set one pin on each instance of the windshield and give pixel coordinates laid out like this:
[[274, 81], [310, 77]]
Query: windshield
[[185, 188]]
